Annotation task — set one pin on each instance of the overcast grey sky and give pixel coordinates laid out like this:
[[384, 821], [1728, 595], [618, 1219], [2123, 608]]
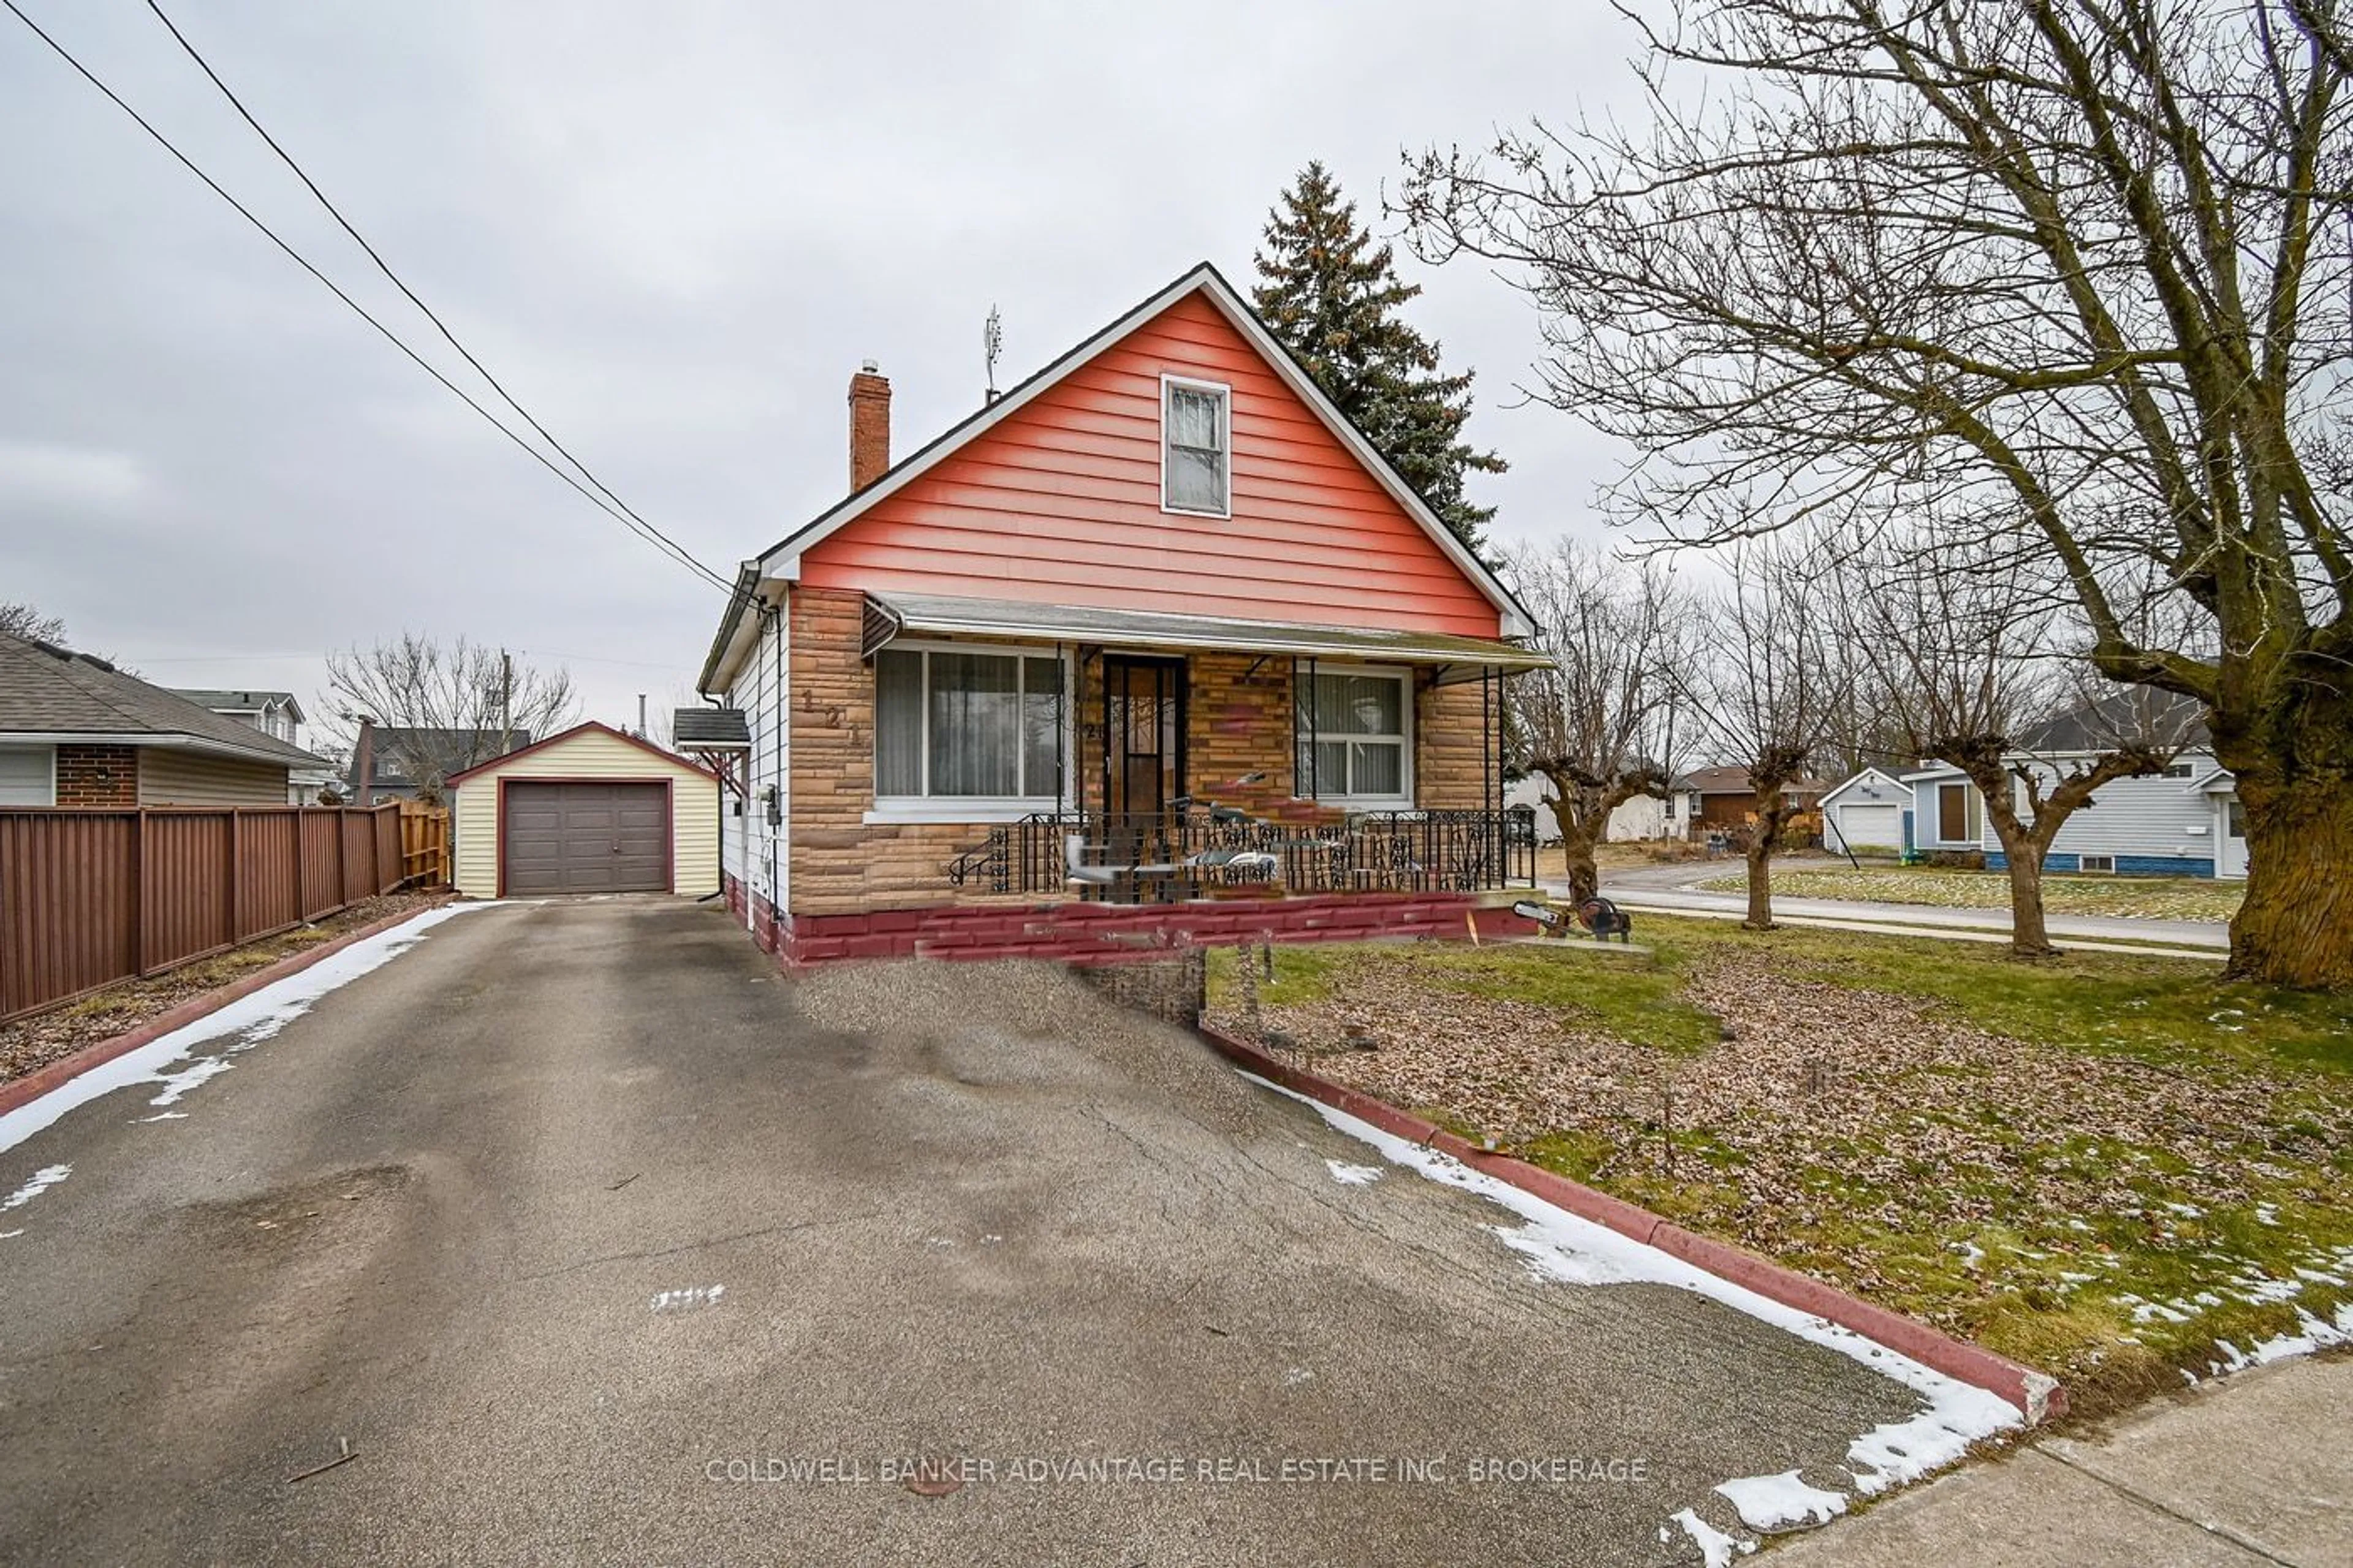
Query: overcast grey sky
[[673, 230]]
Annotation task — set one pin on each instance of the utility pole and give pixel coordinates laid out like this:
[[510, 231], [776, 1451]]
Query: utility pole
[[506, 702]]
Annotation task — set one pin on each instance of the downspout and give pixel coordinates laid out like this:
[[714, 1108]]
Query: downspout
[[776, 761]]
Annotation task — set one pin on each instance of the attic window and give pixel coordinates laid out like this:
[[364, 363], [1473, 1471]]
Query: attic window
[[1195, 428]]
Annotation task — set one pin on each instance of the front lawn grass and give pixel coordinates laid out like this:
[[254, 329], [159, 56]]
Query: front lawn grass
[[2121, 898], [2114, 1168]]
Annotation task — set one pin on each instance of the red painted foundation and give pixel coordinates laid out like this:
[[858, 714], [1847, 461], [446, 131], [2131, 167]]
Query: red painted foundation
[[1074, 932]]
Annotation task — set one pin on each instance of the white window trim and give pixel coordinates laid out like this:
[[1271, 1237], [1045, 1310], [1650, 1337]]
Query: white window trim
[[1404, 801], [1225, 440], [956, 808], [52, 801]]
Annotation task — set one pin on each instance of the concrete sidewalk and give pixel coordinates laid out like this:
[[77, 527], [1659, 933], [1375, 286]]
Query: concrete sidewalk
[[2255, 1469]]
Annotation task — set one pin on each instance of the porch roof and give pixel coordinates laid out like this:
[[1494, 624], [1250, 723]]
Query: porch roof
[[1456, 657]]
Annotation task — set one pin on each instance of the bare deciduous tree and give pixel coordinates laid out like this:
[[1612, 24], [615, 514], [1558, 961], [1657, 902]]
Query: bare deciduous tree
[[442, 708], [1968, 657], [2081, 265], [1770, 689], [27, 621], [1598, 724]]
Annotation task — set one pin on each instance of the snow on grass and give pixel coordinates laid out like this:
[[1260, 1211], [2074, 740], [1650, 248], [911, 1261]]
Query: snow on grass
[[1716, 1549], [1560, 1245], [45, 1178], [2312, 1334], [1782, 1502], [1349, 1175], [247, 1021]]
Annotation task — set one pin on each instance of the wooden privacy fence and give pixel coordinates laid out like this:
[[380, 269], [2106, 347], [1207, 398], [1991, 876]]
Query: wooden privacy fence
[[425, 844], [89, 898]]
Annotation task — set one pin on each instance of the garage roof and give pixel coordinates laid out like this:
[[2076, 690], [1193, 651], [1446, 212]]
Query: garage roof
[[556, 740]]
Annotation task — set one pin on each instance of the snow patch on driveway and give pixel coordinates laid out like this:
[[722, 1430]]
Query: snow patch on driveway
[[1716, 1549], [45, 1178], [1782, 1502], [250, 1019], [1349, 1175], [1563, 1247]]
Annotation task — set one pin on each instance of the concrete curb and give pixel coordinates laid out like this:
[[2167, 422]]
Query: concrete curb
[[32, 1084], [2037, 1394]]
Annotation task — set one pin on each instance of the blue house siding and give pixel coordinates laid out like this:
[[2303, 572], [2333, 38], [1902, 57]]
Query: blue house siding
[[2126, 865]]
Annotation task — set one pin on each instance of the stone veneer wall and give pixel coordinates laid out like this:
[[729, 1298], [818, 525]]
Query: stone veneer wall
[[1239, 721]]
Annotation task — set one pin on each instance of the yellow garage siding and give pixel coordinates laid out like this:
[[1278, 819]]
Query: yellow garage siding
[[172, 775], [589, 753]]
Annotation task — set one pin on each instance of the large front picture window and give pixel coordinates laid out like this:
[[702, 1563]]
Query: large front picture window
[[966, 725], [1352, 738]]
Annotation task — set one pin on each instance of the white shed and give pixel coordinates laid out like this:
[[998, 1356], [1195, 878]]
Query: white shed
[[591, 810]]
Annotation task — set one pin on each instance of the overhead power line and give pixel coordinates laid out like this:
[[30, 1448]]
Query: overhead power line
[[398, 282], [644, 531]]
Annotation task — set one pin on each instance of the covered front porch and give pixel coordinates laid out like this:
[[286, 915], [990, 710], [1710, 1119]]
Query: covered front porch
[[1161, 758]]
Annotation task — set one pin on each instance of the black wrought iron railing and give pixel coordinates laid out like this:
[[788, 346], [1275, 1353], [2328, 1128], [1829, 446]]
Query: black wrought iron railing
[[1180, 854]]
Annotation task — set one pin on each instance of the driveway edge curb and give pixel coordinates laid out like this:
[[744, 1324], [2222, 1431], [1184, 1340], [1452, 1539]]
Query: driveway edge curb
[[2038, 1396], [35, 1084]]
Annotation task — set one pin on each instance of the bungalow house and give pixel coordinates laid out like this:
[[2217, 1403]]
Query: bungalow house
[[77, 731], [1726, 800], [274, 713], [1644, 819], [1869, 814], [2182, 822], [1154, 642]]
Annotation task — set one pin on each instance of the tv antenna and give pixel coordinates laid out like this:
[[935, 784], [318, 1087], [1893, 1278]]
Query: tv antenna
[[992, 342]]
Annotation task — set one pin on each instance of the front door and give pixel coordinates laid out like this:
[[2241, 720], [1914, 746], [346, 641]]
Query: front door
[[1144, 737]]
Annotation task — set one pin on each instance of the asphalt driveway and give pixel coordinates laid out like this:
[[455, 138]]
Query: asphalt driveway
[[598, 1240]]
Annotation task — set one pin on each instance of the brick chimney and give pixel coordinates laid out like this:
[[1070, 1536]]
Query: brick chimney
[[869, 426]]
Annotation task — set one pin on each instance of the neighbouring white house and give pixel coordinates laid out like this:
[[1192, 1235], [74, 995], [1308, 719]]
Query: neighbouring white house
[[1867, 814], [275, 714], [2183, 822], [1644, 818]]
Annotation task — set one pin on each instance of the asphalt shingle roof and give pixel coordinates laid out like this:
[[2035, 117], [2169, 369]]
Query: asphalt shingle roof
[[45, 689], [709, 727]]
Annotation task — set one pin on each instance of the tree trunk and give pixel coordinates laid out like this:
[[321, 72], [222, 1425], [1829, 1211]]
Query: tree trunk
[[2029, 936], [1577, 846], [2295, 925], [1760, 881]]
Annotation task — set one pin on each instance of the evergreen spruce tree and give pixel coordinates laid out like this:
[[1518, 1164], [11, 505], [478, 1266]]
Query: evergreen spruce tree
[[1333, 298]]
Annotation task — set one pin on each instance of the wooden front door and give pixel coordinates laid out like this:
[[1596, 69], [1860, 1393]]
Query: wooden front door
[[1144, 736]]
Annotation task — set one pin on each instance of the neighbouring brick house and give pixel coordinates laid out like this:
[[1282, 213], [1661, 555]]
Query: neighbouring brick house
[[1155, 643], [77, 731]]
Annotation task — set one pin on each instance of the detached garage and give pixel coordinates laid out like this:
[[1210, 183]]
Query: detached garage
[[1864, 816], [590, 811]]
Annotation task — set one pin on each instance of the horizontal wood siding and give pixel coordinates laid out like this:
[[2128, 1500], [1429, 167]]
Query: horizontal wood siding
[[1061, 504], [591, 754], [169, 775]]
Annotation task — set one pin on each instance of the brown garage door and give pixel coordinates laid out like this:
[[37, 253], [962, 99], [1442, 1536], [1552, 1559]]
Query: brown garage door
[[587, 837]]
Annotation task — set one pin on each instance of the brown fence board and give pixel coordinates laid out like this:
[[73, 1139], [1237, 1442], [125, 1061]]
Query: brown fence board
[[89, 898]]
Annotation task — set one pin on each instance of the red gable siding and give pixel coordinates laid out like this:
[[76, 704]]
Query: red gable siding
[[1060, 503]]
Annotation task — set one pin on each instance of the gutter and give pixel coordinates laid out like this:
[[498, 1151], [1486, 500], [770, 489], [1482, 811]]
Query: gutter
[[151, 740], [747, 584]]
